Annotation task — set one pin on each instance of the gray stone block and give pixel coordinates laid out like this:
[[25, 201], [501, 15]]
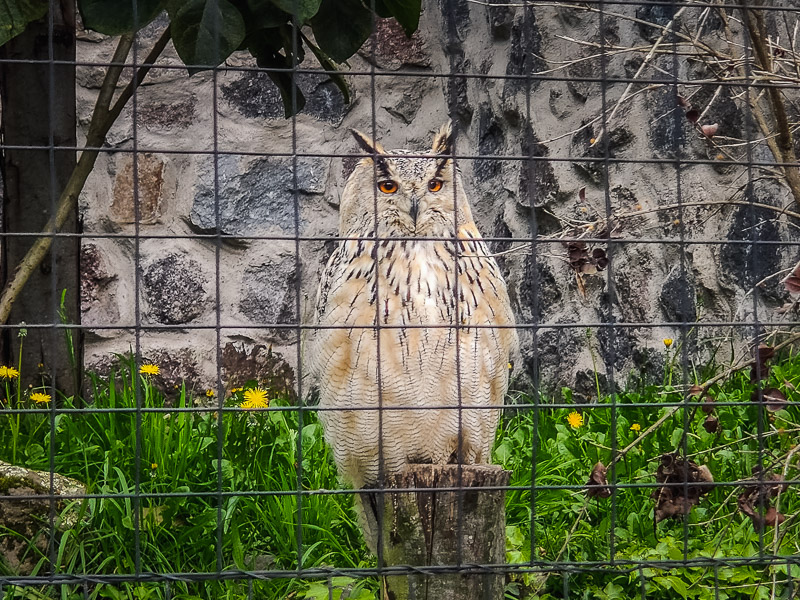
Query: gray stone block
[[175, 289], [256, 197]]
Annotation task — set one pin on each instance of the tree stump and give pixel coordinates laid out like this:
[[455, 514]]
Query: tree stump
[[445, 528]]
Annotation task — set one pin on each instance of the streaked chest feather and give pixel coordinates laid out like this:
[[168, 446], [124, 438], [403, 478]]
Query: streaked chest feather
[[417, 282]]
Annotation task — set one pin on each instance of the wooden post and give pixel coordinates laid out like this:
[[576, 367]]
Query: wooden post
[[445, 528], [38, 105]]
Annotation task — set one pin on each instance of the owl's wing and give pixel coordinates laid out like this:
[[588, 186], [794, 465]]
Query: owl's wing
[[311, 336], [328, 278]]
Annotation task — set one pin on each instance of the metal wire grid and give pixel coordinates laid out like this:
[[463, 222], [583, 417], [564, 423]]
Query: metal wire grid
[[610, 322]]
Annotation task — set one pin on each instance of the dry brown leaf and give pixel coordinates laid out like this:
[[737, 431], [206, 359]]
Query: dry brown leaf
[[792, 284], [708, 405], [673, 500], [775, 399], [695, 390], [711, 424], [757, 495], [582, 262], [710, 130], [597, 486], [760, 368]]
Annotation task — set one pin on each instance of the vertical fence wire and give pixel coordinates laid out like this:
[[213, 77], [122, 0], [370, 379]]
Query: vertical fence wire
[[608, 310], [137, 265], [221, 422], [53, 333]]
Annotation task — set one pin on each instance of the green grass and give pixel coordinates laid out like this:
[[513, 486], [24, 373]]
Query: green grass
[[180, 452]]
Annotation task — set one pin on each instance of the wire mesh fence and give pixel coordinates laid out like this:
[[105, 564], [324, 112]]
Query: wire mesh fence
[[631, 169]]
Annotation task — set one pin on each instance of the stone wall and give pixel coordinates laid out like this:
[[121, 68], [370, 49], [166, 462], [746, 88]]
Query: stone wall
[[181, 121]]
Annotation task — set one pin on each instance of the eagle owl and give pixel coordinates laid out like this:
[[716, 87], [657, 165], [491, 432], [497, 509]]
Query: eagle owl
[[414, 327]]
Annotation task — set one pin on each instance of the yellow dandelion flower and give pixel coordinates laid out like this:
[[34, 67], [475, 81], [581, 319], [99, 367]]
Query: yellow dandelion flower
[[575, 419], [667, 342], [154, 466], [255, 398], [149, 369], [40, 398], [636, 427], [236, 390], [210, 393], [8, 373]]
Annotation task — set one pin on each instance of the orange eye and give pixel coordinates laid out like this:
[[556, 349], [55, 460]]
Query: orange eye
[[435, 185], [387, 187]]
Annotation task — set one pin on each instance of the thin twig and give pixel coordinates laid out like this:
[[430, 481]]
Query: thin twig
[[757, 31], [667, 30]]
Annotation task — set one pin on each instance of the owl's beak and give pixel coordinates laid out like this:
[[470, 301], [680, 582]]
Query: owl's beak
[[414, 209]]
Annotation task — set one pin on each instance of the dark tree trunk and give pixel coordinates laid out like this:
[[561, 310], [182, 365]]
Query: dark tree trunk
[[446, 528], [38, 109]]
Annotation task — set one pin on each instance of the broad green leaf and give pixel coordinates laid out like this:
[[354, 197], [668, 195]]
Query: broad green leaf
[[382, 10], [327, 63], [16, 14], [316, 591], [502, 453], [205, 32], [405, 11], [304, 9], [341, 27], [264, 14], [613, 591], [115, 17]]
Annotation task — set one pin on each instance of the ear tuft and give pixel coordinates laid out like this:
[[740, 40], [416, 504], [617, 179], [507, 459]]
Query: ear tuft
[[444, 138], [367, 145]]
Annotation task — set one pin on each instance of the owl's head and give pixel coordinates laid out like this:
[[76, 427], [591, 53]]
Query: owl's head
[[414, 195]]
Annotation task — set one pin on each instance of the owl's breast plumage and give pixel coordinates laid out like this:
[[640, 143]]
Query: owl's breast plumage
[[409, 325]]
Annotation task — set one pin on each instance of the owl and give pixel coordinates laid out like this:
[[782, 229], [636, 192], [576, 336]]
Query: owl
[[413, 327]]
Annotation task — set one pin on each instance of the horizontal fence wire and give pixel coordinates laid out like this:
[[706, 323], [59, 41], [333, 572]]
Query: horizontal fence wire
[[547, 402]]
